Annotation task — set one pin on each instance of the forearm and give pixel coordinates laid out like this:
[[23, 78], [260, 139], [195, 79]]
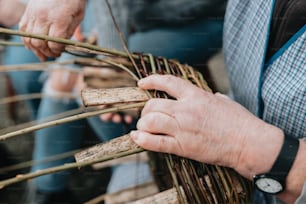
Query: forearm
[[11, 12]]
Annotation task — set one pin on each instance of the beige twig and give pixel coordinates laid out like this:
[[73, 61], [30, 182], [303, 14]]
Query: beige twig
[[23, 177], [10, 43], [35, 66], [31, 96], [63, 41], [49, 118], [123, 42], [69, 119], [96, 200], [30, 163]]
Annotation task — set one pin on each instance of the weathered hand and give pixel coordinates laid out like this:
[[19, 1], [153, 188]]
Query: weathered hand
[[56, 18], [200, 125]]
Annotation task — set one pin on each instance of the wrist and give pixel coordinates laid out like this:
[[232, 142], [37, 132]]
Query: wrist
[[261, 151]]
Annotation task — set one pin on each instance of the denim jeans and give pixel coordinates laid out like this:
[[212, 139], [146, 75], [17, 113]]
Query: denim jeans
[[24, 82], [56, 140], [192, 44]]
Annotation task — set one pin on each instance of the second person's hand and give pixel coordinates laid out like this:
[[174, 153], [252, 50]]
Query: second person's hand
[[56, 18]]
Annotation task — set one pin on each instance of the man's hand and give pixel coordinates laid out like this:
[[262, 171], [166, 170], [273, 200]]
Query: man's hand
[[56, 18], [206, 127]]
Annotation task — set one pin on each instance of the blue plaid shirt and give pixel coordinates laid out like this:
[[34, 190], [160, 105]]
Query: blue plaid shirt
[[276, 90]]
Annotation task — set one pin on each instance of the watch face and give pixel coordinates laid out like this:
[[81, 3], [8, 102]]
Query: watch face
[[269, 185]]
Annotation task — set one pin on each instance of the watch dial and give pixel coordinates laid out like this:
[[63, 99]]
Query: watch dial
[[269, 185]]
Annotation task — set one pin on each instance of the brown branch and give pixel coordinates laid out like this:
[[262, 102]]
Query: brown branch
[[110, 96], [119, 144]]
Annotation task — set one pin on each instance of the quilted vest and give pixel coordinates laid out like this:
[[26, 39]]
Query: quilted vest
[[274, 91]]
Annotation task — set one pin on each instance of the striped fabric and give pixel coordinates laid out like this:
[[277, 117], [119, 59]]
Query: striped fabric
[[280, 85], [276, 92], [245, 38], [284, 89]]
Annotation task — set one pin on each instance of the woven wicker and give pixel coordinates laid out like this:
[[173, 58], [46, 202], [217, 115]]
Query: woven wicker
[[201, 183]]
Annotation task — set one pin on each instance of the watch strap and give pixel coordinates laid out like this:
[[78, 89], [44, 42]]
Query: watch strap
[[286, 157]]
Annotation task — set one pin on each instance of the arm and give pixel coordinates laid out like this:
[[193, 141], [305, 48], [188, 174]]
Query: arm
[[56, 18], [10, 12], [213, 130]]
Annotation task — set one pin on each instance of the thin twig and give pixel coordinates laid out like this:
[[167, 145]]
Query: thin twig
[[31, 96], [49, 118], [30, 163], [36, 66], [123, 42], [69, 119], [10, 43], [96, 200], [23, 177], [63, 41], [120, 66]]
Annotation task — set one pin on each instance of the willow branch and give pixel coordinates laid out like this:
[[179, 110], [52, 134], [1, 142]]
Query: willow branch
[[49, 118], [63, 41], [10, 43], [24, 97], [36, 66], [123, 42], [23, 177], [121, 66], [69, 119], [98, 199], [30, 163]]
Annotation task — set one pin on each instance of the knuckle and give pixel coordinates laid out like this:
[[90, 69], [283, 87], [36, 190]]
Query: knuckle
[[55, 47], [167, 78], [39, 44], [147, 123]]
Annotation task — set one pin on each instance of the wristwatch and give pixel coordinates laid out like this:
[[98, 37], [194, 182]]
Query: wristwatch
[[273, 182]]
